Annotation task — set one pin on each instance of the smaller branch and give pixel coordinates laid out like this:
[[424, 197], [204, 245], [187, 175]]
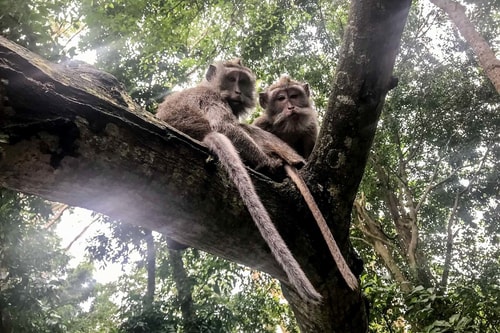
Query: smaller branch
[[60, 209], [184, 288], [432, 187], [151, 268], [449, 243], [435, 173], [371, 229], [410, 221], [325, 30], [365, 219], [451, 219], [362, 239], [81, 233]]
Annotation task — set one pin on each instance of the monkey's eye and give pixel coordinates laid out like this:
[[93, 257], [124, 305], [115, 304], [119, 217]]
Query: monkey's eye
[[281, 97], [232, 79], [293, 96]]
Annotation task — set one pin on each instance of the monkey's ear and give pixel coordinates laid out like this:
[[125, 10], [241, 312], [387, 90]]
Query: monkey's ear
[[305, 86], [212, 70], [263, 100]]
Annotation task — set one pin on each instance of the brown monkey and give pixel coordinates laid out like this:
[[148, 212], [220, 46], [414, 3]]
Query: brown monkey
[[209, 112], [289, 114]]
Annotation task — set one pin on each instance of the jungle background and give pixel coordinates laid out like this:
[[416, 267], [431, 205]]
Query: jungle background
[[433, 170]]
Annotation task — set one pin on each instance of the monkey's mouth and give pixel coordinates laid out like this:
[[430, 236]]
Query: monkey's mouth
[[234, 102]]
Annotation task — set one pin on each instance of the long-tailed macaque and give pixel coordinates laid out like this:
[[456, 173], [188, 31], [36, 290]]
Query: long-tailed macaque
[[290, 116], [209, 112]]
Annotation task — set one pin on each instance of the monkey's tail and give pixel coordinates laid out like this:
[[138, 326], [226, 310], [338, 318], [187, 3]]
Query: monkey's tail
[[228, 156], [344, 269]]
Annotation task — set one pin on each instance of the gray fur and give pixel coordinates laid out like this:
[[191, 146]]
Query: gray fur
[[289, 114]]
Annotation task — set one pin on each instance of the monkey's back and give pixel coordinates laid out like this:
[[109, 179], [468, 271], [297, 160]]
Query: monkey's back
[[185, 110]]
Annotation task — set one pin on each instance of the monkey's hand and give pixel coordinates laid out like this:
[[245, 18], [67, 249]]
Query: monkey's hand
[[270, 164], [274, 146]]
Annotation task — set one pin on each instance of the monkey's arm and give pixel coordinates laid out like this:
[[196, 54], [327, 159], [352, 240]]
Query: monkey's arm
[[249, 149], [271, 144], [308, 143], [223, 121]]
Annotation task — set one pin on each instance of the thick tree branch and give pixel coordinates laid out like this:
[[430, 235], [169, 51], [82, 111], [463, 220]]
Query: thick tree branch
[[363, 78], [487, 59], [70, 135], [58, 210]]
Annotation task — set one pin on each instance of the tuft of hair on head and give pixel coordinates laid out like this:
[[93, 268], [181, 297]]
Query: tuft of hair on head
[[238, 63], [232, 63], [284, 82], [235, 62]]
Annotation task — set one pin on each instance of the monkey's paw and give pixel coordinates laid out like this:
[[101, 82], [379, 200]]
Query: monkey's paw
[[298, 162], [271, 165]]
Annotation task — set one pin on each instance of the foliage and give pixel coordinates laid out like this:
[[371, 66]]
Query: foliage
[[45, 27], [38, 292], [226, 297], [150, 320], [116, 244], [436, 152], [156, 45], [386, 302]]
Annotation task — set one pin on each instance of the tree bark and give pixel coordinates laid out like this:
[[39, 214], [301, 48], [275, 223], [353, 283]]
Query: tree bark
[[69, 134]]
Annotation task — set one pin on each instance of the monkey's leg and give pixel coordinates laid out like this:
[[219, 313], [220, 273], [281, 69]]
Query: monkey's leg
[[249, 150], [344, 269], [229, 158]]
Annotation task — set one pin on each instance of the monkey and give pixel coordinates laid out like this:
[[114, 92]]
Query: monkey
[[289, 115], [209, 112]]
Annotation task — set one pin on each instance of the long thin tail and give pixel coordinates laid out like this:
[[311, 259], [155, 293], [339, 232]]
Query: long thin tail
[[344, 269], [231, 161]]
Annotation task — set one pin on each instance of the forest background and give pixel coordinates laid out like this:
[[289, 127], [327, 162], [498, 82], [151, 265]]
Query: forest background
[[437, 148]]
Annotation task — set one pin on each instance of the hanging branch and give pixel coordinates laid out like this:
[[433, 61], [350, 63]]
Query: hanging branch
[[451, 220], [81, 234]]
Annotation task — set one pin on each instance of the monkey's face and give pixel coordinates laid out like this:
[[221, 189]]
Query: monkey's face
[[237, 87], [289, 107]]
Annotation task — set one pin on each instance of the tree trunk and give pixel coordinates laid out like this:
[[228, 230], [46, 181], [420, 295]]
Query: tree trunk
[[184, 287], [70, 134], [151, 268]]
